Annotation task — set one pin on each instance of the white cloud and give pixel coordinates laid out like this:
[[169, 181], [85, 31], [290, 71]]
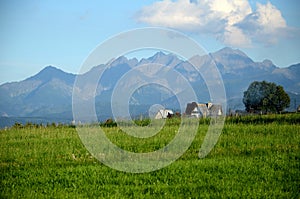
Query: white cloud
[[234, 36], [231, 21], [266, 24], [181, 14]]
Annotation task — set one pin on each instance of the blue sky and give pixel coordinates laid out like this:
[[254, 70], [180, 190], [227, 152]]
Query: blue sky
[[35, 34]]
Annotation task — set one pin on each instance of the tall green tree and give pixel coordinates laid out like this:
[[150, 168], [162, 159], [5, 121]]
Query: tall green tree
[[266, 97]]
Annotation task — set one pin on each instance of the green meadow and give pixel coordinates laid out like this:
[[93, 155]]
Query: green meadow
[[255, 157]]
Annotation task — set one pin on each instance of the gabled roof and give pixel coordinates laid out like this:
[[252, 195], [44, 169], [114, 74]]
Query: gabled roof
[[207, 108], [190, 107]]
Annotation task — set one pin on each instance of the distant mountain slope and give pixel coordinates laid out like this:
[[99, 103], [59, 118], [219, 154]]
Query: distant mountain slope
[[48, 94], [41, 95]]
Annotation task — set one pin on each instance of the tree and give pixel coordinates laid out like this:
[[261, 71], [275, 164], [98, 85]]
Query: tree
[[265, 97]]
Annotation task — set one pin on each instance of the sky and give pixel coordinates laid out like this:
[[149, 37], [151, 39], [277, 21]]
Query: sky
[[35, 34]]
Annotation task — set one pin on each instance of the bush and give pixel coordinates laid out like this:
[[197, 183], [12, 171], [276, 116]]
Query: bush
[[109, 123]]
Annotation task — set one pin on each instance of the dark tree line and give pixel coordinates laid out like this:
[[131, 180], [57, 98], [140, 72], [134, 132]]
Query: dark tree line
[[265, 97]]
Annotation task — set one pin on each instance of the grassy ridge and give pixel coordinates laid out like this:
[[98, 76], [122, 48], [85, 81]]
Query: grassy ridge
[[251, 159]]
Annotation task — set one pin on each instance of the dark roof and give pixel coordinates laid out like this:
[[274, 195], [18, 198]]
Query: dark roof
[[190, 107]]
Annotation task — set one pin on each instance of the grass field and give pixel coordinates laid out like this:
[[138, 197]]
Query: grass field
[[255, 157]]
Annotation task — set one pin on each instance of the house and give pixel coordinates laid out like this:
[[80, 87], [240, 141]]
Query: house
[[203, 110], [163, 114], [192, 110]]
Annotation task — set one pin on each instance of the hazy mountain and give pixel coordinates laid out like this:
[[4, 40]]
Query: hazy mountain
[[48, 94], [41, 95]]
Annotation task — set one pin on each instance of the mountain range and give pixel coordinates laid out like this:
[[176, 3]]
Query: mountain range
[[47, 96]]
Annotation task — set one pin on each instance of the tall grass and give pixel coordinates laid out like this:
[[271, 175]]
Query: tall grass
[[255, 157], [265, 119]]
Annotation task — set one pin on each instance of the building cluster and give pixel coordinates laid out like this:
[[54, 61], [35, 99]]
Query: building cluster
[[197, 110], [203, 110]]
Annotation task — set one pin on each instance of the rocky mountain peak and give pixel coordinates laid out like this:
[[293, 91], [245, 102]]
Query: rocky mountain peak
[[268, 63], [230, 51], [51, 72]]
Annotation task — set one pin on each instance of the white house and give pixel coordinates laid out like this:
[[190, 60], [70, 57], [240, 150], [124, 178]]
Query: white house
[[163, 114], [203, 110]]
